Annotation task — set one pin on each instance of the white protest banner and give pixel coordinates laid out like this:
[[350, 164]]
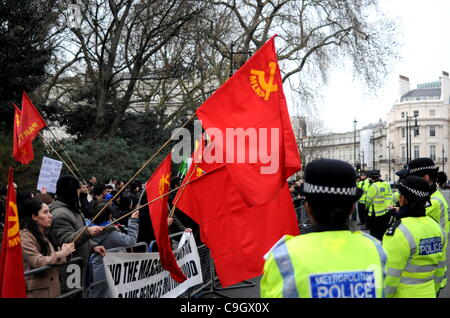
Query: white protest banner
[[140, 275], [49, 174]]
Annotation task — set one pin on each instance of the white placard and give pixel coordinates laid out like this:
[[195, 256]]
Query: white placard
[[49, 174], [140, 275]]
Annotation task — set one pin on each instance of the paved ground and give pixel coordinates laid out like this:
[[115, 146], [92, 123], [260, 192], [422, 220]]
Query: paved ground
[[252, 291]]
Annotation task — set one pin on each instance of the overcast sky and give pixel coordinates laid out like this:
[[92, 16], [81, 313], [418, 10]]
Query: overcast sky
[[424, 28]]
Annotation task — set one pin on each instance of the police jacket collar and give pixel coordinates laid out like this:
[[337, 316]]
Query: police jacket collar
[[329, 227]]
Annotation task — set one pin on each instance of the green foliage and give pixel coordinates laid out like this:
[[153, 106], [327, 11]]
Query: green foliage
[[113, 158], [24, 52]]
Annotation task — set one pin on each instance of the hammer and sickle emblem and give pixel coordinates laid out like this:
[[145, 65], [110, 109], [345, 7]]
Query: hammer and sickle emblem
[[17, 120], [260, 86], [12, 231], [162, 182]]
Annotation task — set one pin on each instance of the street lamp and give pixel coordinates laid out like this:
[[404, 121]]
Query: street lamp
[[443, 158], [408, 135], [372, 141], [354, 142], [390, 144]]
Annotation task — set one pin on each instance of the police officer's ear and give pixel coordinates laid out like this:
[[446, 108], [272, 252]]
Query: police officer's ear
[[403, 201], [310, 213]]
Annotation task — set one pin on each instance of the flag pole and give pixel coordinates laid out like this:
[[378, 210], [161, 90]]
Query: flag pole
[[133, 177], [172, 211], [156, 199], [67, 155], [54, 150]]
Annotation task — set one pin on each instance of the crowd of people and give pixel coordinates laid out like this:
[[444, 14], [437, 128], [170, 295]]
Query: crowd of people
[[76, 221], [403, 255]]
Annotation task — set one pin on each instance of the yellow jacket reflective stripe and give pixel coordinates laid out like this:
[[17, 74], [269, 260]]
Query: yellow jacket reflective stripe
[[415, 256], [331, 264], [439, 212], [378, 198]]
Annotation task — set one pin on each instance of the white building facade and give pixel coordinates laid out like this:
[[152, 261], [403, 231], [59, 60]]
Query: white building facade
[[417, 126]]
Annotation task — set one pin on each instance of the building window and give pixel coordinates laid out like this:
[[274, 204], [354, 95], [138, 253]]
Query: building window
[[416, 131], [432, 112], [433, 152], [416, 152], [403, 153], [403, 132], [403, 114], [432, 131], [416, 113]]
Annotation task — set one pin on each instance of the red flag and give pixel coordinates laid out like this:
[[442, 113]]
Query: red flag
[[238, 236], [25, 154], [253, 100], [157, 185], [12, 278], [31, 121]]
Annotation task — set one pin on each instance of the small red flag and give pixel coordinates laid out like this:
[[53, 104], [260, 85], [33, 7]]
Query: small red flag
[[252, 101], [25, 154], [31, 121], [12, 278], [157, 185]]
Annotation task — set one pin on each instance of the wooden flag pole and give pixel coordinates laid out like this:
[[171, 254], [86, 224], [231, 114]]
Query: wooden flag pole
[[145, 204], [54, 150], [67, 155], [132, 178], [172, 212]]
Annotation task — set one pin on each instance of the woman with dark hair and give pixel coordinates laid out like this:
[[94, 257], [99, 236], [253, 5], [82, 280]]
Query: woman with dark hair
[[414, 243], [332, 261], [38, 249]]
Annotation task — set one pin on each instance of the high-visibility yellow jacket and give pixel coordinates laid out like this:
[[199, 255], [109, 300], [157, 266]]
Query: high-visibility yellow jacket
[[331, 264], [416, 261], [438, 210], [378, 199], [396, 198], [363, 185]]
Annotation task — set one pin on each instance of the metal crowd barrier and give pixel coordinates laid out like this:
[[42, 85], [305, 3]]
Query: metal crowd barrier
[[78, 261], [140, 247]]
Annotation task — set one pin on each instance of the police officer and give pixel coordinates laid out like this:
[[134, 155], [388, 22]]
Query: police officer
[[378, 201], [438, 209], [414, 245], [363, 184], [331, 261]]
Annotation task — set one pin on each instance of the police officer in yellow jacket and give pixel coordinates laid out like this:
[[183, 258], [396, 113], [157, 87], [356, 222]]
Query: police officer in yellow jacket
[[363, 184], [438, 209], [331, 261], [414, 245], [378, 201]]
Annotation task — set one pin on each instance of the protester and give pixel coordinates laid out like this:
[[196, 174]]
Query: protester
[[98, 196], [38, 249], [304, 266], [125, 206], [415, 265], [111, 237], [68, 222]]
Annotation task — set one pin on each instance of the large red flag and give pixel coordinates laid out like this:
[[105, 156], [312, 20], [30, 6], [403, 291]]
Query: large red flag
[[252, 101], [31, 121], [12, 279], [25, 154], [157, 185], [237, 235]]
